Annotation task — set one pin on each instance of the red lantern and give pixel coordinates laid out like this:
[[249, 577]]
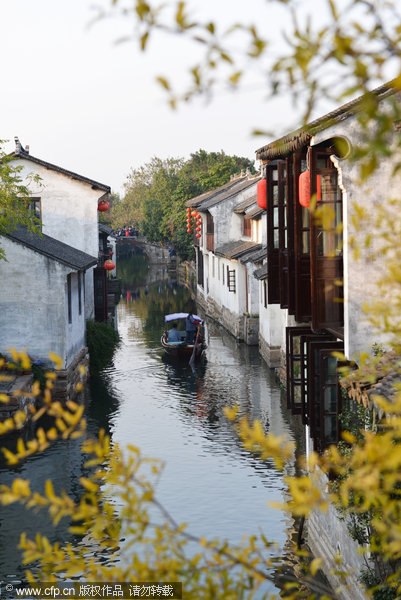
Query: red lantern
[[198, 228], [103, 206], [194, 213], [109, 265], [261, 192], [198, 235], [304, 189]]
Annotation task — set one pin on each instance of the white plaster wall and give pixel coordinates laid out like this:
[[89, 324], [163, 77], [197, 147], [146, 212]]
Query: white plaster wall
[[227, 224], [69, 214], [253, 289], [75, 331], [219, 292], [33, 305], [270, 322]]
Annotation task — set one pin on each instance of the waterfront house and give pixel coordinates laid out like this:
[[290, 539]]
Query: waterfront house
[[49, 291], [67, 205], [228, 251], [42, 302], [316, 289]]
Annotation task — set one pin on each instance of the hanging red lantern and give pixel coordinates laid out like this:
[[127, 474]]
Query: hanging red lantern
[[304, 189], [109, 265], [198, 228], [188, 210], [261, 193], [103, 206], [194, 213], [198, 235]]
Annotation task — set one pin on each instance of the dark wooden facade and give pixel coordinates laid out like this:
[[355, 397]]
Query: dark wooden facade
[[305, 270]]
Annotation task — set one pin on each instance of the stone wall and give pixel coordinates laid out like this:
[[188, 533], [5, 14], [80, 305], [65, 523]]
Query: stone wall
[[65, 386], [327, 536], [270, 354]]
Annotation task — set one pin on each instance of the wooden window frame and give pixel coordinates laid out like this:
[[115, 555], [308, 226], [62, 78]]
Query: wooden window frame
[[318, 351], [326, 270], [209, 232], [302, 272], [304, 340], [246, 227], [294, 380], [69, 298], [79, 293], [273, 250]]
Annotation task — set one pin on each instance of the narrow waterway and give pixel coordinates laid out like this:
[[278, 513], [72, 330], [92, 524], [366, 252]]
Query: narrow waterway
[[174, 413]]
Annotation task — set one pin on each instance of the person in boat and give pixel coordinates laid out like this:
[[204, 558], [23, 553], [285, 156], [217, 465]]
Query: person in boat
[[191, 325], [173, 334]]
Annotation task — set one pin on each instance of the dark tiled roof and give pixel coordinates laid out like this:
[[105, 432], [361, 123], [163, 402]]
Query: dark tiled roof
[[105, 228], [250, 256], [240, 209], [229, 193], [260, 255], [300, 137], [221, 193], [254, 213], [193, 202], [261, 273], [21, 153], [236, 249], [48, 246]]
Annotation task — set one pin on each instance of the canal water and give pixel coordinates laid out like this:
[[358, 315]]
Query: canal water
[[174, 413]]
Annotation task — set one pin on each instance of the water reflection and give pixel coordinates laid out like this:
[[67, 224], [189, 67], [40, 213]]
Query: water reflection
[[174, 413]]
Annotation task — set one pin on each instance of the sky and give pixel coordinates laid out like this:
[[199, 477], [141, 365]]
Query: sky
[[84, 102]]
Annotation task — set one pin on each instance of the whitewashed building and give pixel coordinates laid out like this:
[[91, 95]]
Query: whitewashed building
[[48, 280], [228, 252], [42, 302], [67, 205]]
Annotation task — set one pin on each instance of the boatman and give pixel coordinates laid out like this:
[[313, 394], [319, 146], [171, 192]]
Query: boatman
[[174, 334], [190, 328]]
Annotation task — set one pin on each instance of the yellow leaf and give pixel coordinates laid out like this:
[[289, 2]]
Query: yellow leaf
[[58, 361], [315, 566]]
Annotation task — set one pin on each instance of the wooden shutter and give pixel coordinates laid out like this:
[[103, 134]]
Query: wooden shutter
[[302, 292], [324, 396], [284, 226], [199, 256], [304, 342], [273, 248], [326, 248], [100, 292]]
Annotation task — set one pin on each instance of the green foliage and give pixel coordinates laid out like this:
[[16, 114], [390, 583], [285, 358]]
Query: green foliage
[[155, 195], [374, 585], [102, 340], [14, 194]]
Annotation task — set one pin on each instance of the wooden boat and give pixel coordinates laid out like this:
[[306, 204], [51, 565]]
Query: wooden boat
[[182, 350]]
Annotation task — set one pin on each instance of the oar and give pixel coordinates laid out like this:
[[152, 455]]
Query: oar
[[191, 360]]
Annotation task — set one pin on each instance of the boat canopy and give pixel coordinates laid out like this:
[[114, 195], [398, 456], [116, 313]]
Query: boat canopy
[[182, 315]]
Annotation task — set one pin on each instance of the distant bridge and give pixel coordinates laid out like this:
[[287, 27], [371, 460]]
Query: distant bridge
[[155, 253]]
